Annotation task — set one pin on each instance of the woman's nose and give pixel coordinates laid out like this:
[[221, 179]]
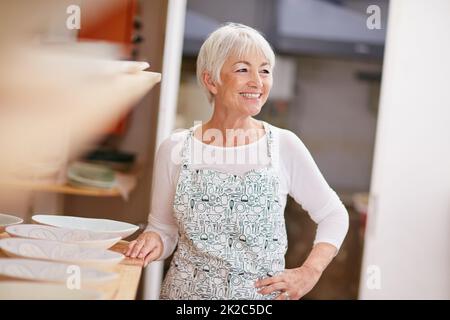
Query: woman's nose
[[255, 80]]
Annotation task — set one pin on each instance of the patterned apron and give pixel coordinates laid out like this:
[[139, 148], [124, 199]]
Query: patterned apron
[[232, 231]]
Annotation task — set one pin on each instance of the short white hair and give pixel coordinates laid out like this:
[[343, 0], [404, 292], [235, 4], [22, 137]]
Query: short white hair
[[230, 38]]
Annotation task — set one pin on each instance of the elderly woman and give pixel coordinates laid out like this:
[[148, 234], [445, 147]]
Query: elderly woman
[[220, 188]]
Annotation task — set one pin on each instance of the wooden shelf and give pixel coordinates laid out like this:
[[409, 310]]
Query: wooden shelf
[[68, 189]]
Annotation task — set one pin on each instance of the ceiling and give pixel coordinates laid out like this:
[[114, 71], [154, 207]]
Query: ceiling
[[315, 27]]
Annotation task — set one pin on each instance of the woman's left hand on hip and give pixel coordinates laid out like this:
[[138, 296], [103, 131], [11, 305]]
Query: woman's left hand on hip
[[291, 284]]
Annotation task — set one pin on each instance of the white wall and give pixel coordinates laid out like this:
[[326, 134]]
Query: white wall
[[409, 219], [333, 116]]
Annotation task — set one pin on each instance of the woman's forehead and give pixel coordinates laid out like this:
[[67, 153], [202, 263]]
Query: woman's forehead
[[251, 58]]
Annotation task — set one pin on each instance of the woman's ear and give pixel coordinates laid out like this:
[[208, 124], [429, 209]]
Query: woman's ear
[[209, 83]]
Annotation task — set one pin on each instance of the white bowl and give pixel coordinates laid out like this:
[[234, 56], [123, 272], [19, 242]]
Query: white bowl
[[84, 238], [16, 290], [8, 220], [119, 228], [59, 251], [36, 270]]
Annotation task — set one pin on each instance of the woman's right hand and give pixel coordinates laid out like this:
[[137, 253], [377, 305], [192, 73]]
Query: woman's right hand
[[148, 246]]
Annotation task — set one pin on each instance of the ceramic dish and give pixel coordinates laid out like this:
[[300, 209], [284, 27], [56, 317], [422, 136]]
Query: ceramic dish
[[117, 228], [36, 270], [16, 290], [59, 251], [84, 238], [8, 220], [92, 175]]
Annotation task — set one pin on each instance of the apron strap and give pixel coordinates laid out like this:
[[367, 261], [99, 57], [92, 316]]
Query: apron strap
[[272, 145], [186, 149]]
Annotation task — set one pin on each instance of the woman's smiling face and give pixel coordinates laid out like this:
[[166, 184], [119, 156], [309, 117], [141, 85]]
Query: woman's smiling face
[[245, 84]]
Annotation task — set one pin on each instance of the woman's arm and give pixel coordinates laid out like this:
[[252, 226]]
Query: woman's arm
[[295, 283], [299, 281], [320, 257], [308, 188]]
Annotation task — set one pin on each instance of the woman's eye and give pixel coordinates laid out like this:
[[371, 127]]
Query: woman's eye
[[265, 71], [242, 70]]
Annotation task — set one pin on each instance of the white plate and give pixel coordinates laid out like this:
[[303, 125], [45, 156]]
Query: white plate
[[16, 290], [47, 271], [59, 251], [118, 228], [89, 174], [84, 238], [7, 220]]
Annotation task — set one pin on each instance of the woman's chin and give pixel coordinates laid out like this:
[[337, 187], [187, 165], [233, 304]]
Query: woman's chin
[[253, 110]]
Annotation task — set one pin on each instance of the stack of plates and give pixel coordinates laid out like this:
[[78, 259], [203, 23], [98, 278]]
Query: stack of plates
[[7, 220], [59, 251], [91, 175], [36, 270], [83, 238], [15, 290], [48, 251], [107, 226]]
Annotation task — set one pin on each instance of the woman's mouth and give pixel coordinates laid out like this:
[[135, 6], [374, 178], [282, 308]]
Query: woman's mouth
[[250, 95]]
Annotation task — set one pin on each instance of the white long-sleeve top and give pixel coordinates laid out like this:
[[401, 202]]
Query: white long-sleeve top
[[299, 177]]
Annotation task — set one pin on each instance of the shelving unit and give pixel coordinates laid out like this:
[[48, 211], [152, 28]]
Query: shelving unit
[[66, 189], [127, 181], [124, 92]]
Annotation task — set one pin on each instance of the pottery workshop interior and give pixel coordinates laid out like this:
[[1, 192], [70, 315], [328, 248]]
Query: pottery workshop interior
[[105, 105]]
